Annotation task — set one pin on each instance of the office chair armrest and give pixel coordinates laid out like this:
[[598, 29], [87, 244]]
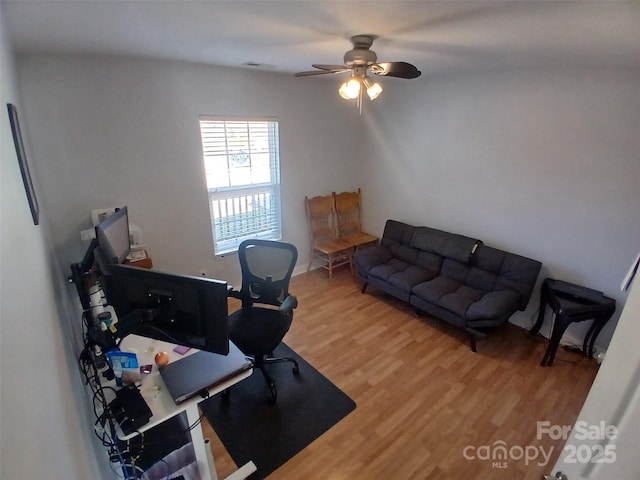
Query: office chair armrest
[[289, 304]]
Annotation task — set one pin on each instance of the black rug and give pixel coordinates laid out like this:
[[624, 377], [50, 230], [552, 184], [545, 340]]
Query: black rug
[[251, 429]]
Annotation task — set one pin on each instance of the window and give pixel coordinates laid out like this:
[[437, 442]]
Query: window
[[242, 166]]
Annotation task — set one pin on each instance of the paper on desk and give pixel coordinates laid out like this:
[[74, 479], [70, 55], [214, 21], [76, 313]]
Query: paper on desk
[[135, 256]]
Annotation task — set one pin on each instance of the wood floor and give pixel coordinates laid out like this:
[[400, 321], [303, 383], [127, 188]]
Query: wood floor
[[427, 407]]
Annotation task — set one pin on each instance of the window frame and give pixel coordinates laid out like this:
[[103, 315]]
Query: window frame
[[240, 200]]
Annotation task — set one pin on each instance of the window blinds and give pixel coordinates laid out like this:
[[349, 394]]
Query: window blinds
[[242, 168]]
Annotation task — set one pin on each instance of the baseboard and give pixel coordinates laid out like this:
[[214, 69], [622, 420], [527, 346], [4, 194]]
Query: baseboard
[[300, 269]]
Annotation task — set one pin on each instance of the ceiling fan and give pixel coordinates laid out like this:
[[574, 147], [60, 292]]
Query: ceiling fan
[[359, 61]]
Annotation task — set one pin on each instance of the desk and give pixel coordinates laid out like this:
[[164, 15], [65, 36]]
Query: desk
[[569, 309], [162, 406]]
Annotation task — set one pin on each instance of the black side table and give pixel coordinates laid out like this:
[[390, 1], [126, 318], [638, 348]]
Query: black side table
[[572, 303]]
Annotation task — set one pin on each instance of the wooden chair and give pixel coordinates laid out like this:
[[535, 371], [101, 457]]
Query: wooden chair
[[347, 206], [324, 242]]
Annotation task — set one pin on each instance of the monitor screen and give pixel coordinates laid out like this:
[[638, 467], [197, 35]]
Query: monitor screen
[[180, 309], [113, 235]]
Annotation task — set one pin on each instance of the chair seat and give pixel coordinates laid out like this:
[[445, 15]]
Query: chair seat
[[358, 239], [335, 253], [256, 331], [332, 246]]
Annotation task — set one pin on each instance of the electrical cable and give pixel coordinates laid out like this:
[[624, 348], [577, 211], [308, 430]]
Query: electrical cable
[[176, 434], [123, 455], [105, 424]]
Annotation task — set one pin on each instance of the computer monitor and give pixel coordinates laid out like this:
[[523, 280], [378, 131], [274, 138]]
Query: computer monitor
[[181, 309], [113, 235], [80, 271]]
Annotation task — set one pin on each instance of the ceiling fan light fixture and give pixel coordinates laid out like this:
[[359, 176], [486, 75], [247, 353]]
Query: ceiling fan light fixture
[[360, 61], [374, 89], [350, 89]]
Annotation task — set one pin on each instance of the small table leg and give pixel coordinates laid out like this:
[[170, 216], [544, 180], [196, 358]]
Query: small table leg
[[568, 311], [596, 327], [561, 324], [543, 306]]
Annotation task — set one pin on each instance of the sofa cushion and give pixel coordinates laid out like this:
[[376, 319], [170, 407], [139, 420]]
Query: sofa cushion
[[436, 288], [404, 253], [465, 301], [519, 274], [482, 279], [460, 301], [367, 258], [401, 275], [449, 294], [445, 244], [397, 232], [429, 261], [513, 272], [493, 305], [455, 270]]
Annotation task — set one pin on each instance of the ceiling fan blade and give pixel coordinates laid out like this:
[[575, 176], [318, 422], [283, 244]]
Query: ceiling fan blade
[[318, 72], [323, 69], [332, 68], [311, 73], [396, 69]]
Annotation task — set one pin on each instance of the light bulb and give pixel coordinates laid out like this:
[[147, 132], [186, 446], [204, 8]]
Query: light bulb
[[374, 89], [350, 89], [343, 91]]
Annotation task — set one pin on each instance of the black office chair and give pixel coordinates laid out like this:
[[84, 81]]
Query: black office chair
[[257, 330]]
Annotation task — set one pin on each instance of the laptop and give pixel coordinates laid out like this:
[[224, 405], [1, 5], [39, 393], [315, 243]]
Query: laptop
[[201, 371]]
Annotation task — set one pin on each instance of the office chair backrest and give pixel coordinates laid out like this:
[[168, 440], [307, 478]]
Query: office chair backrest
[[266, 267]]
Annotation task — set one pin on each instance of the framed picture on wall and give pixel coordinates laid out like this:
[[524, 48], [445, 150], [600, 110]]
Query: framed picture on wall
[[24, 166]]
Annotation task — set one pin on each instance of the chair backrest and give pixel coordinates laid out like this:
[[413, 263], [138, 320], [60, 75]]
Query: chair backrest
[[320, 216], [266, 267], [347, 205]]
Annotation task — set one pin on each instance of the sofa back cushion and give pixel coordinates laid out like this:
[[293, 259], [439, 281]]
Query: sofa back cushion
[[447, 245], [397, 233], [429, 261], [397, 238], [505, 271]]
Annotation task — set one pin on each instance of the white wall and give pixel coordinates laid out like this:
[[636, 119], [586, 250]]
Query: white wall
[[114, 131], [46, 428], [541, 163]]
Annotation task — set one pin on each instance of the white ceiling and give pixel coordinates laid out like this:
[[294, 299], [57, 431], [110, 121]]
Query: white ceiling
[[288, 36]]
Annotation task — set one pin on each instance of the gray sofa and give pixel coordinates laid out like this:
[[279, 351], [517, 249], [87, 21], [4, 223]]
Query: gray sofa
[[449, 276]]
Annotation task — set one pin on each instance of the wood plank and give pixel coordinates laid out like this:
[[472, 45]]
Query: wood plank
[[422, 395]]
